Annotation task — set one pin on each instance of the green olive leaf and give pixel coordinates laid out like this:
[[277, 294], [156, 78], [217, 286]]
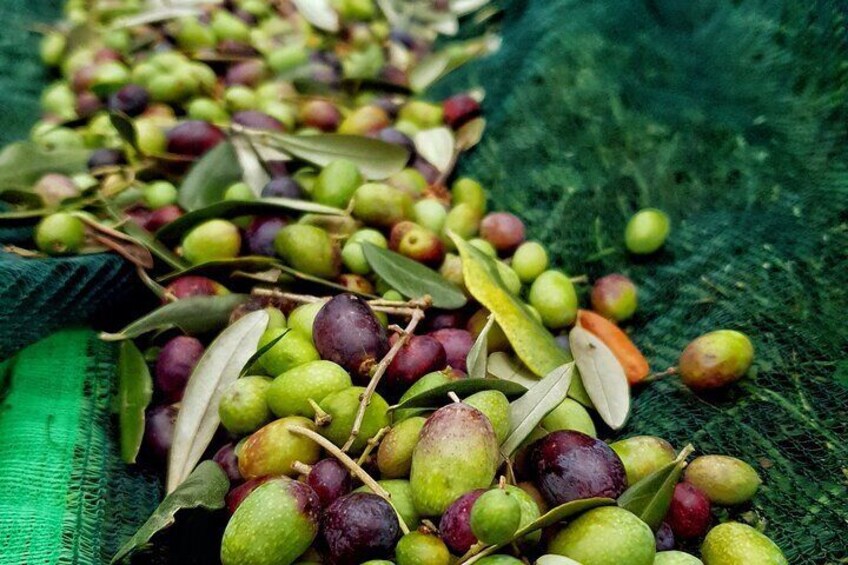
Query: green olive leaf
[[223, 267], [235, 208], [650, 498], [501, 366], [146, 239], [550, 518], [205, 489], [526, 412], [603, 376], [437, 146], [260, 352], [319, 13], [477, 357], [436, 66], [24, 162], [135, 389], [220, 365], [412, 279], [533, 344], [438, 396], [125, 127], [375, 159], [255, 175], [210, 176], [159, 13], [193, 315]]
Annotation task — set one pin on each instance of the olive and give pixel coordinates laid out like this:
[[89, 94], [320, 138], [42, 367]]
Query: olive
[[646, 231]]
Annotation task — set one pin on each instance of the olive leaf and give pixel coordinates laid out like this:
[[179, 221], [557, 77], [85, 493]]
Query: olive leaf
[[470, 134], [526, 412], [24, 162], [650, 497], [153, 245], [501, 366], [135, 389], [235, 208], [205, 489], [210, 176], [319, 13], [438, 396], [477, 356], [375, 159], [222, 267], [603, 376], [192, 315], [255, 174], [437, 146], [159, 13], [439, 64], [219, 366], [412, 279], [550, 518], [125, 127]]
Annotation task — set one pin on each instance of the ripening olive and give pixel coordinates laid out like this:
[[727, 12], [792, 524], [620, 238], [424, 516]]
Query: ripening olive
[[716, 359], [210, 241], [646, 231]]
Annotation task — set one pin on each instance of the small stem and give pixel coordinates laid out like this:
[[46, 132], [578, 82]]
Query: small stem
[[655, 376], [580, 279], [502, 482], [352, 466], [301, 467], [321, 417], [453, 396], [379, 370], [394, 307], [372, 443]]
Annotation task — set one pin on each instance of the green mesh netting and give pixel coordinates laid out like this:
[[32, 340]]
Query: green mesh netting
[[730, 115]]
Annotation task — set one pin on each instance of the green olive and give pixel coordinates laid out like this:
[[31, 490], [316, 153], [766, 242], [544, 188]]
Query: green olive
[[60, 233], [352, 254], [309, 249], [159, 194], [243, 408], [210, 241], [336, 184], [381, 205], [469, 191], [646, 231], [431, 214], [553, 295], [529, 261]]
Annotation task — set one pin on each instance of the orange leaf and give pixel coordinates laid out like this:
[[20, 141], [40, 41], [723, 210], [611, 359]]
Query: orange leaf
[[635, 365]]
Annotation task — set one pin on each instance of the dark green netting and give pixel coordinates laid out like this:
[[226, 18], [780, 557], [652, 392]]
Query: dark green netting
[[730, 115]]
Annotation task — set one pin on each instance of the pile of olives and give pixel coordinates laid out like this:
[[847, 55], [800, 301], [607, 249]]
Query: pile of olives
[[440, 491]]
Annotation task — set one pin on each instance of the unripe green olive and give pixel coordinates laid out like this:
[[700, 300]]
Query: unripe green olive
[[716, 359], [451, 270], [509, 278], [529, 261], [469, 191], [352, 254], [286, 114], [365, 120], [419, 548], [159, 194], [227, 26], [289, 352], [60, 100], [731, 543], [150, 137], [553, 295], [495, 516], [207, 110], [569, 415], [646, 231], [309, 249], [193, 35], [484, 246], [423, 114], [357, 9], [52, 48], [726, 481], [410, 181], [239, 191], [642, 455], [431, 214], [381, 205], [171, 88], [287, 58], [110, 77], [240, 98], [212, 240], [60, 233], [243, 408], [464, 221], [59, 138], [337, 183]]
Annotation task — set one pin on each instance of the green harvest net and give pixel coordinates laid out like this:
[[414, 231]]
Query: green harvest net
[[730, 115]]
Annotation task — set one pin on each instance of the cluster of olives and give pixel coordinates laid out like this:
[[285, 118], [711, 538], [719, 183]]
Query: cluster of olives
[[440, 489]]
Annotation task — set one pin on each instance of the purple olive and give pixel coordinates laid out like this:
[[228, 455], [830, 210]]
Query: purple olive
[[396, 137], [347, 333], [246, 73], [443, 320], [132, 100], [330, 480], [664, 537], [282, 187], [455, 525], [237, 495], [255, 119], [159, 430], [194, 285], [228, 460], [161, 217], [260, 235], [174, 365], [420, 355], [106, 158], [193, 138], [457, 344], [358, 527], [460, 109], [568, 465]]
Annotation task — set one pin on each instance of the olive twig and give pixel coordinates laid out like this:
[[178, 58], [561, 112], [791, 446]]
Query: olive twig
[[416, 316], [393, 307], [352, 467], [372, 443], [301, 467]]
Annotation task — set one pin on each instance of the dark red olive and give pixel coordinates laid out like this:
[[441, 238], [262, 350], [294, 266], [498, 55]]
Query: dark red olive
[[227, 459], [689, 514], [132, 100], [450, 319], [568, 465], [255, 119], [193, 138], [321, 114], [460, 109], [359, 527], [246, 73], [162, 217], [420, 355], [503, 230], [159, 430], [330, 480], [457, 344], [87, 104], [237, 495], [106, 158], [347, 333], [194, 285], [174, 365], [455, 525], [282, 187]]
